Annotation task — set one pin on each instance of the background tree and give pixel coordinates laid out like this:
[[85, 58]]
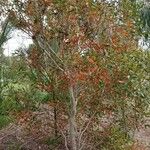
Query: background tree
[[5, 32]]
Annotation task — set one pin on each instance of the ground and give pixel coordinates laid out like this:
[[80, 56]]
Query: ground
[[25, 135]]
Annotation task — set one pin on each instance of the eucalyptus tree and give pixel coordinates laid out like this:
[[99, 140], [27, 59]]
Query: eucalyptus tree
[[82, 47], [5, 32]]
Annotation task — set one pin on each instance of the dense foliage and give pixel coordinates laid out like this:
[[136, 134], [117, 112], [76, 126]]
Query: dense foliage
[[85, 65]]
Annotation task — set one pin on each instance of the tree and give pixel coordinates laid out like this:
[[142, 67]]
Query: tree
[[4, 37], [82, 48]]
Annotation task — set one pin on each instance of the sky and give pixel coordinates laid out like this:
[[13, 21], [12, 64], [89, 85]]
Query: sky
[[18, 40]]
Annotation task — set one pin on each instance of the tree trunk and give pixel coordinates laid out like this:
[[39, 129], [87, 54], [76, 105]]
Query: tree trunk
[[55, 115], [72, 120]]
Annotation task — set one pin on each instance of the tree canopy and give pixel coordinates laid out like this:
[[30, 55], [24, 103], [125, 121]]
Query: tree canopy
[[85, 64]]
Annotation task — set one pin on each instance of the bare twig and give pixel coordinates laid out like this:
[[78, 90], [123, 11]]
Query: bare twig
[[65, 138], [84, 130]]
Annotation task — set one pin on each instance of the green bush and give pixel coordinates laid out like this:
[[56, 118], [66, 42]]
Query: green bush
[[4, 120], [8, 105]]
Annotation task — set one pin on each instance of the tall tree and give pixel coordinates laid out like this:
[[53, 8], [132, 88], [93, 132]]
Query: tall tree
[[83, 46], [4, 37]]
